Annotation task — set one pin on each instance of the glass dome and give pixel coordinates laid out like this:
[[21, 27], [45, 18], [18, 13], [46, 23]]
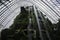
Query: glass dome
[[8, 10]]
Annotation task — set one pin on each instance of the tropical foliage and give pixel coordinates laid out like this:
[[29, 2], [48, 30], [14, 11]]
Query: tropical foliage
[[19, 29]]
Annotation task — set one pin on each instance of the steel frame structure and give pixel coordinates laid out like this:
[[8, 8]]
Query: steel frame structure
[[6, 10]]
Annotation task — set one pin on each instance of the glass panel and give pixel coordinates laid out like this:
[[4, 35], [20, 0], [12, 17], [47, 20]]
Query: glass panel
[[55, 4]]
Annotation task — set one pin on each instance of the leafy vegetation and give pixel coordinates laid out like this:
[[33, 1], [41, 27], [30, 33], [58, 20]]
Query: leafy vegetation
[[15, 31], [19, 29], [54, 30]]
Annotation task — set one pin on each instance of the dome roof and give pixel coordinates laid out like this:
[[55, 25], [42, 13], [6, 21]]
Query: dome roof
[[9, 10]]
